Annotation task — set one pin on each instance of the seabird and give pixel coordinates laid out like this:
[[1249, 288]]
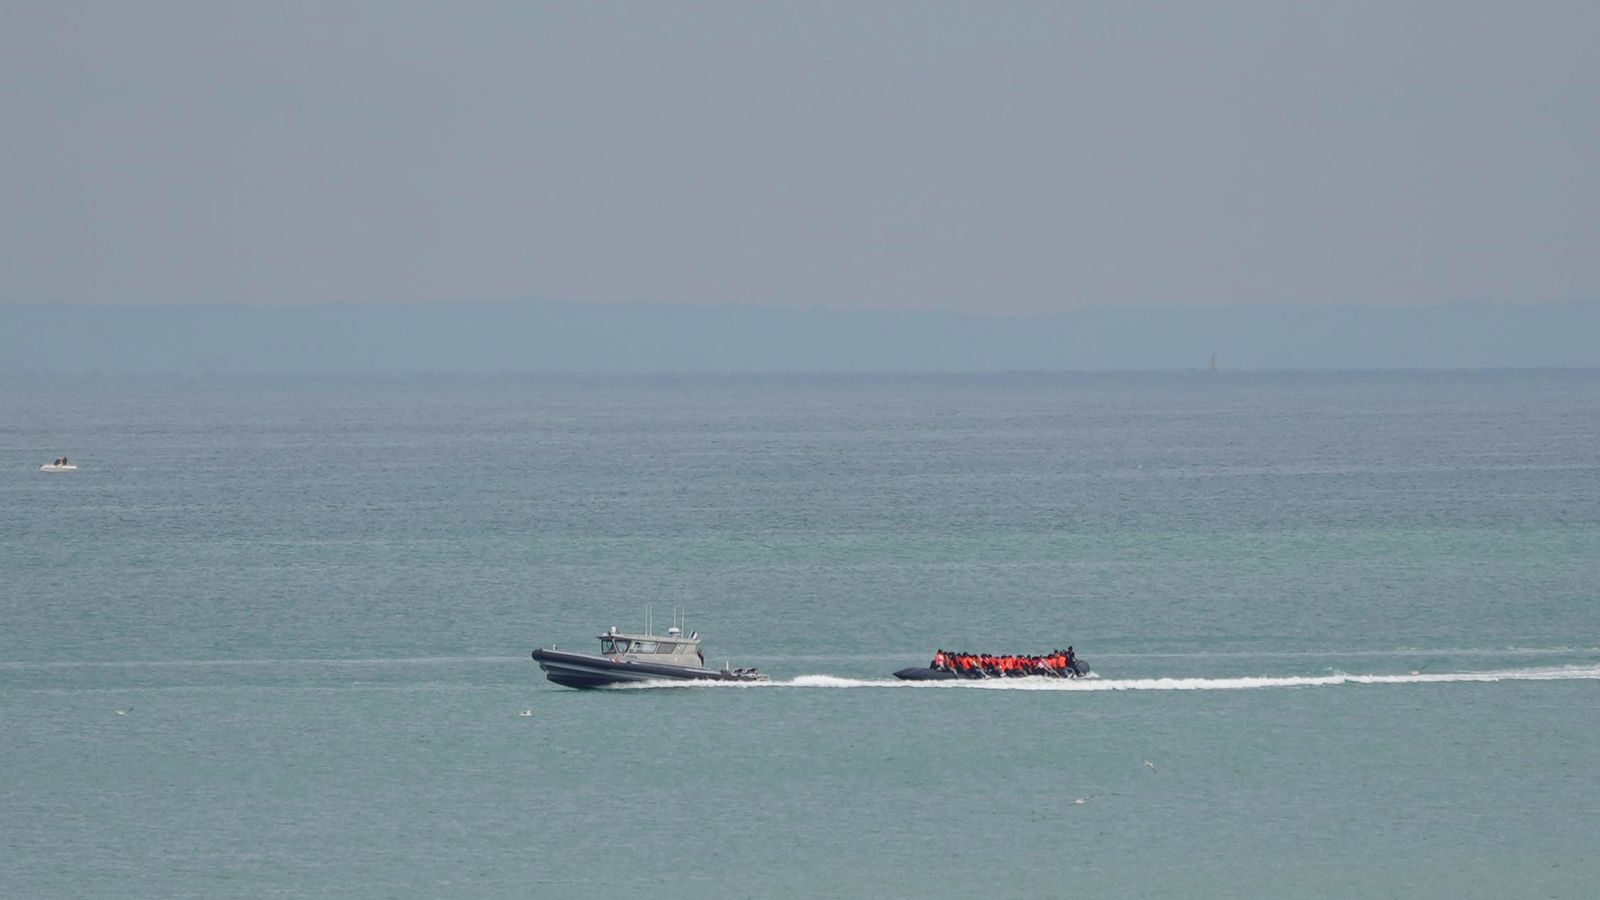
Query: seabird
[[1082, 800], [525, 713], [123, 712], [1150, 765]]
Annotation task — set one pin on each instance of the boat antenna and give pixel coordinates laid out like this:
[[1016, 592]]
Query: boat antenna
[[647, 619]]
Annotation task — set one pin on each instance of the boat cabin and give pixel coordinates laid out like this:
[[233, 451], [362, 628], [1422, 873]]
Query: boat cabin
[[671, 648]]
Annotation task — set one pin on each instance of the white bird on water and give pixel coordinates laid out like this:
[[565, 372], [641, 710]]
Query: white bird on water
[[525, 713], [1151, 766], [123, 712], [1082, 800]]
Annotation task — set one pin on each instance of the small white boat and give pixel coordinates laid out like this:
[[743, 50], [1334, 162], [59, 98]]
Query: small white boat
[[59, 466]]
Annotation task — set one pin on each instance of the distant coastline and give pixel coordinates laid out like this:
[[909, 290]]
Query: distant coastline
[[547, 336]]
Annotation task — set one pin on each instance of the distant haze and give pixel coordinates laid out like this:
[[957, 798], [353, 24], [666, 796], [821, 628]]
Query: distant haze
[[637, 338], [1018, 158]]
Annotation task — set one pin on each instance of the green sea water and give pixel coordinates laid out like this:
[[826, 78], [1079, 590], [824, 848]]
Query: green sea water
[[271, 639]]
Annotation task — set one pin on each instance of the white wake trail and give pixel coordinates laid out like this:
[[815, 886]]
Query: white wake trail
[[1562, 673]]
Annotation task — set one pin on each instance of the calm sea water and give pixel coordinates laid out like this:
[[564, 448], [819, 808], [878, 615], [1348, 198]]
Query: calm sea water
[[313, 601]]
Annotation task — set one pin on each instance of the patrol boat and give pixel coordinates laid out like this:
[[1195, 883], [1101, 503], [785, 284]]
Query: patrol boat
[[626, 657]]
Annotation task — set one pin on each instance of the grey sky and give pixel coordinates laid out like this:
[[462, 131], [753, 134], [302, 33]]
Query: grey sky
[[976, 157]]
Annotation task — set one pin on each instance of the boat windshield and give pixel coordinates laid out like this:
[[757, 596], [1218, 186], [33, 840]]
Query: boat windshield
[[623, 645]]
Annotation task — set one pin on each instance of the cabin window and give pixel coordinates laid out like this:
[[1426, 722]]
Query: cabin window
[[607, 645], [644, 646], [664, 647]]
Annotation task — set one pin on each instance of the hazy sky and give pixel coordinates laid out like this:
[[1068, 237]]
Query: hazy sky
[[977, 157]]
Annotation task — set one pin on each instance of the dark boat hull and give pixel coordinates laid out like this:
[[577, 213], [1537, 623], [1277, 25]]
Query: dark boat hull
[[923, 673], [585, 670]]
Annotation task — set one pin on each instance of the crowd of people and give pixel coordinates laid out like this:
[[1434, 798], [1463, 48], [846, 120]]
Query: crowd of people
[[1056, 663]]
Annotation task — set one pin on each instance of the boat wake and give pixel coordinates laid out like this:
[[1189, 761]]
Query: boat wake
[[1096, 683], [1561, 673]]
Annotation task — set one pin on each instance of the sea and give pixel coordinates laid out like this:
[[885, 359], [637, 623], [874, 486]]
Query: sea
[[272, 638]]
